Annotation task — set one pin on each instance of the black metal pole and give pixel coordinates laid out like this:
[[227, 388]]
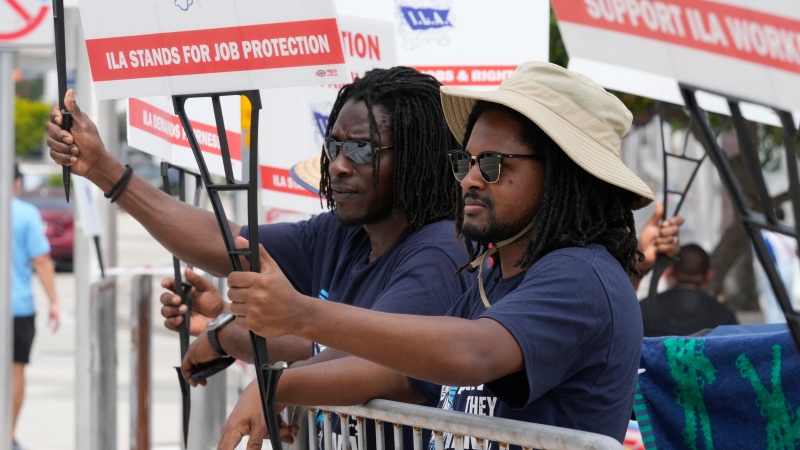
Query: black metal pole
[[266, 374], [184, 290], [663, 261], [61, 69], [753, 221]]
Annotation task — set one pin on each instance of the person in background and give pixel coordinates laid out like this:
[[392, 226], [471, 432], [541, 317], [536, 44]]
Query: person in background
[[30, 252], [657, 237], [685, 308]]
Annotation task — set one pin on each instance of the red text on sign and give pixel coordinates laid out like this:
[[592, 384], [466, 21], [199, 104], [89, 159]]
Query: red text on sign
[[255, 47], [364, 46], [277, 179], [735, 32], [468, 75], [159, 123]]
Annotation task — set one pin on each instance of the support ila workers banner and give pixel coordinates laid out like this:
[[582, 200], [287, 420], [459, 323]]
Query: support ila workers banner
[[746, 49]]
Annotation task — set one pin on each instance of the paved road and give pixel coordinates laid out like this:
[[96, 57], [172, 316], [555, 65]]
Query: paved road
[[47, 420]]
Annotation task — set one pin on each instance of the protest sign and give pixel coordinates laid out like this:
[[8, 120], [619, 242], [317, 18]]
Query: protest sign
[[153, 128], [293, 122], [465, 42], [750, 50], [149, 48]]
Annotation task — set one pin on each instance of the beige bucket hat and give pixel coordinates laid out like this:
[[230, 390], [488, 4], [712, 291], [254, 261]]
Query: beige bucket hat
[[306, 173], [584, 119]]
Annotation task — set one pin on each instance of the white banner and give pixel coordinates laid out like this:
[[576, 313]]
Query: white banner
[[464, 42], [153, 128], [745, 49], [148, 47]]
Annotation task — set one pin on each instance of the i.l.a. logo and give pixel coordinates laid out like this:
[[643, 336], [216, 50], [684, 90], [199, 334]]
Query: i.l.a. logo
[[426, 18], [423, 23], [184, 5]]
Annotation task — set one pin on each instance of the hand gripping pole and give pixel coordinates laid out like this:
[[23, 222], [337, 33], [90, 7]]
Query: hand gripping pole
[[761, 215], [266, 374], [184, 290], [61, 71], [663, 261]]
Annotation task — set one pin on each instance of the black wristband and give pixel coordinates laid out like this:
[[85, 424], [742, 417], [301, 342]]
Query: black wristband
[[214, 341], [123, 184], [120, 186]]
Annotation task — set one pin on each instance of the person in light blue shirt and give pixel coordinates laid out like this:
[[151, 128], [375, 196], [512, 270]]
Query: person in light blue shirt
[[30, 252]]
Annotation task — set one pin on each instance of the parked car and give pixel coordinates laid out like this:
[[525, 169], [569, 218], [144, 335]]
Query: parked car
[[58, 217]]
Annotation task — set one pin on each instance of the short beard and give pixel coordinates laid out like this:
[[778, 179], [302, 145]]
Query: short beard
[[494, 231]]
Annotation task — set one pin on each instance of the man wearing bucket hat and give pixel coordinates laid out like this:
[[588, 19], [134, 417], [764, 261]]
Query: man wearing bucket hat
[[552, 334]]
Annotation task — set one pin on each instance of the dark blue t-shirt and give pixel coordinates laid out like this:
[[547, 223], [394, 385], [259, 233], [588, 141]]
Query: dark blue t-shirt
[[576, 319], [325, 260], [415, 276]]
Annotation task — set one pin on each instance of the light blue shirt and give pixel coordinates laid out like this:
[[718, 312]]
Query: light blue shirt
[[28, 242]]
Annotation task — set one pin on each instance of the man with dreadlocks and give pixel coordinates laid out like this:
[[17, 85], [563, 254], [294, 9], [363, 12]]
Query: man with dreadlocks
[[552, 334], [385, 144], [388, 244]]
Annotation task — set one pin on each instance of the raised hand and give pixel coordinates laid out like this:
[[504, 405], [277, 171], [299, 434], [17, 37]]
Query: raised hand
[[659, 238], [80, 148], [206, 303]]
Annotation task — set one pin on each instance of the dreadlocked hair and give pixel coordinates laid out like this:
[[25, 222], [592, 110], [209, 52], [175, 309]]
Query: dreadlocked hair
[[575, 208], [422, 179]]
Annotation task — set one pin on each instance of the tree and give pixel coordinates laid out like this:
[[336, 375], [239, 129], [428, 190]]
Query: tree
[[558, 53], [30, 117]]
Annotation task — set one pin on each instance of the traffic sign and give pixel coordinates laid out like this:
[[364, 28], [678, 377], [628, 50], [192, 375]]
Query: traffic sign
[[25, 23]]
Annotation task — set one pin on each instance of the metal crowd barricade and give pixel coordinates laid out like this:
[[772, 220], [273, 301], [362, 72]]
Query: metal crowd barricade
[[461, 425], [211, 401]]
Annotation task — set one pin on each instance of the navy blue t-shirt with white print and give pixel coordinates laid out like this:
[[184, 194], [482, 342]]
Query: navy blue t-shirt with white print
[[415, 276], [576, 319]]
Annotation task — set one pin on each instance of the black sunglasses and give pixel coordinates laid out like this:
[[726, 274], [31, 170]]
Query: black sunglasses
[[359, 152], [489, 163]]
